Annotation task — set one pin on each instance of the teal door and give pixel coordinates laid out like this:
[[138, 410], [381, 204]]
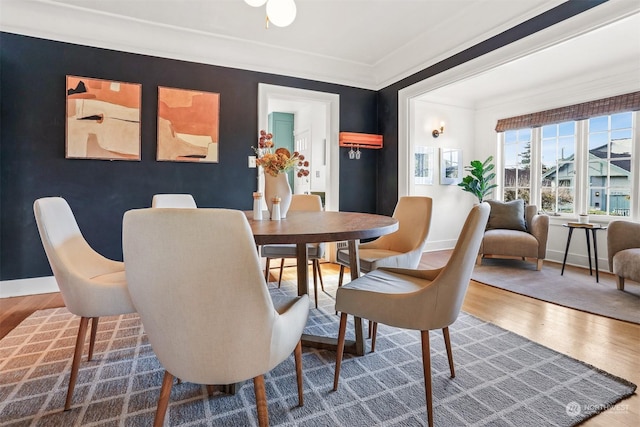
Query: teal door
[[281, 126]]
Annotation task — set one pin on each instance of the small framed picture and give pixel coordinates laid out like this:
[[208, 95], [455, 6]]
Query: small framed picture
[[451, 169], [424, 165]]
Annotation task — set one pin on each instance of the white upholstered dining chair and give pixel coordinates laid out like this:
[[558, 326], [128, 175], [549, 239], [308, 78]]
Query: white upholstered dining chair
[[195, 278], [422, 300], [91, 285], [315, 251], [402, 249], [173, 201]]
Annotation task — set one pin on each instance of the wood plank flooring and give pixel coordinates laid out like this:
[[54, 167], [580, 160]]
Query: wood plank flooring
[[608, 344]]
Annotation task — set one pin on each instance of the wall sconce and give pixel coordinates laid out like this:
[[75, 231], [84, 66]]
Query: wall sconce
[[437, 132]]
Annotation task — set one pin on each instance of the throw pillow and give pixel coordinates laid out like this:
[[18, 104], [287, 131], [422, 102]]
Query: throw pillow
[[507, 215]]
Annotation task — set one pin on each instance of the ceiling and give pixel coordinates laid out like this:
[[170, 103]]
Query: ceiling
[[605, 51], [361, 43]]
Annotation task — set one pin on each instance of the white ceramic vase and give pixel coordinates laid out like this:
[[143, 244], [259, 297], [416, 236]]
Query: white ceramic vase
[[277, 186]]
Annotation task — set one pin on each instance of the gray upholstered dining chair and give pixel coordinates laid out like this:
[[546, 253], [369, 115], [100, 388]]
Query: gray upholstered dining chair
[[402, 249], [173, 201], [422, 300], [315, 251], [195, 278], [91, 285]]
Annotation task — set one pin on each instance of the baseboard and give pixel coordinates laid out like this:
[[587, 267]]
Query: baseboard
[[32, 286], [440, 245]]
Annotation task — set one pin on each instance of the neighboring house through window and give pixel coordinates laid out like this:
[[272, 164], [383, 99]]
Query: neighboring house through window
[[572, 166]]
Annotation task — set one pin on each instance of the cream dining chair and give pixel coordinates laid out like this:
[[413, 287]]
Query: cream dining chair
[[91, 285], [422, 300], [195, 278], [173, 201], [402, 249], [315, 251]]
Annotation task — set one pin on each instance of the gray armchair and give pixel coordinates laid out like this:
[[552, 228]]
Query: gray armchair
[[512, 234], [623, 246]]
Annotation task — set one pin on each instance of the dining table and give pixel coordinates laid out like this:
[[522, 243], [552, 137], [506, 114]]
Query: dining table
[[303, 227]]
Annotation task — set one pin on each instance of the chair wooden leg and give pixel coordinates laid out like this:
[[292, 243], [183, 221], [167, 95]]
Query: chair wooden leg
[[317, 261], [539, 264], [210, 389], [281, 270], [163, 400], [261, 401], [426, 366], [447, 344], [77, 355], [374, 332], [315, 281], [479, 259], [370, 330], [297, 354], [620, 283], [92, 338], [266, 270], [340, 349], [341, 275]]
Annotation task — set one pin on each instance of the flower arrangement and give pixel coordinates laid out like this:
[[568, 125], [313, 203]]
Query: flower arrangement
[[280, 160]]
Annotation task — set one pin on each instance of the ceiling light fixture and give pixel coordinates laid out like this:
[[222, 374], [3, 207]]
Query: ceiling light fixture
[[279, 12]]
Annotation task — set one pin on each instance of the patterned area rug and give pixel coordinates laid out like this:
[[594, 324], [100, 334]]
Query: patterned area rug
[[575, 289], [502, 379]]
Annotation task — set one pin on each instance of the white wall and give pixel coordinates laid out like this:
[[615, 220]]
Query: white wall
[[450, 203]]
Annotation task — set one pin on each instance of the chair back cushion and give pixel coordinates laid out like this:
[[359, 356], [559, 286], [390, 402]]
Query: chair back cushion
[[306, 202], [195, 278], [173, 201], [414, 219], [507, 215], [454, 279]]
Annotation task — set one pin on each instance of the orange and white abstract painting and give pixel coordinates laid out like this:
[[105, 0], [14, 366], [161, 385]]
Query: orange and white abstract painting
[[103, 119], [188, 124]]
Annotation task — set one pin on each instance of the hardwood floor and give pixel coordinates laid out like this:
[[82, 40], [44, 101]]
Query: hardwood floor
[[608, 344]]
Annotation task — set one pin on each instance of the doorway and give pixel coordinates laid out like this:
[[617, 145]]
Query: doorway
[[318, 114]]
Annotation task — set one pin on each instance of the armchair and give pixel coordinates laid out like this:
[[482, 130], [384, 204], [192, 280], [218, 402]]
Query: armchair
[[515, 231], [623, 247]]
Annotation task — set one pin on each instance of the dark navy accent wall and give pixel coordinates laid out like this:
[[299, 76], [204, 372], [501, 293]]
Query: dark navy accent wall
[[32, 143]]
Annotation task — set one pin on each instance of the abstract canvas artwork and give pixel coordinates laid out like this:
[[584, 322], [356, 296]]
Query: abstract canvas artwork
[[103, 119], [188, 125]]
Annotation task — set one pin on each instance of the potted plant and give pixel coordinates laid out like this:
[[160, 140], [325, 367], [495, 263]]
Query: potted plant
[[478, 183]]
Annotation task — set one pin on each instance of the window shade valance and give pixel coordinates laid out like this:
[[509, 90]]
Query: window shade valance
[[601, 107]]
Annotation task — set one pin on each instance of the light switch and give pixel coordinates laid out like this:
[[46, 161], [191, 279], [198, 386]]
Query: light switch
[[252, 161]]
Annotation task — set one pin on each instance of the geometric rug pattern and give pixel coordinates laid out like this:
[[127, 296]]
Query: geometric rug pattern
[[502, 379]]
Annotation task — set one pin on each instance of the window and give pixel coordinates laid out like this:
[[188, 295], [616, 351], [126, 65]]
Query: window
[[609, 171], [517, 162], [558, 149], [580, 165]]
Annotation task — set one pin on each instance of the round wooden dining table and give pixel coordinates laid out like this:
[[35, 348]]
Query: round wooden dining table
[[301, 227]]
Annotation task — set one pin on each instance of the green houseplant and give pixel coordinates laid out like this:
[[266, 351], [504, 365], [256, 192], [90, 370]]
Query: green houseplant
[[478, 182]]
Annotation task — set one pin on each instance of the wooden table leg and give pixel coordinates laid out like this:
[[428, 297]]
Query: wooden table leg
[[303, 261]]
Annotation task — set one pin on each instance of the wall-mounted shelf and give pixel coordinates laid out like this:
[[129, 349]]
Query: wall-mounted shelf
[[360, 140]]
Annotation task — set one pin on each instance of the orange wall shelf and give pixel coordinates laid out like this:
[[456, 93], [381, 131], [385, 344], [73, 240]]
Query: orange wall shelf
[[362, 140]]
